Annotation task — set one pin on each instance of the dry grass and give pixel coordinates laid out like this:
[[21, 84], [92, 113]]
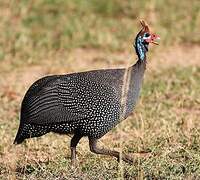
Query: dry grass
[[166, 121], [165, 124]]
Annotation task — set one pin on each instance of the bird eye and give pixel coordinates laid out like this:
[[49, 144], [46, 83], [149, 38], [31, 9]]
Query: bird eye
[[146, 35]]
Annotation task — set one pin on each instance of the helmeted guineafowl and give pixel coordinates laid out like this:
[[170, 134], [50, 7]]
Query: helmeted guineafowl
[[85, 103]]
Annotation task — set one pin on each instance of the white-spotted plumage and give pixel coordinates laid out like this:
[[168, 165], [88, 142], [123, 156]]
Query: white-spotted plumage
[[85, 103], [88, 103]]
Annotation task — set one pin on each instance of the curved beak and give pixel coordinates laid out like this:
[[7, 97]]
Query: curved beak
[[153, 38]]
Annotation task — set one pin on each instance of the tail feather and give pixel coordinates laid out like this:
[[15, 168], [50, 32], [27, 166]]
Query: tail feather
[[19, 138], [29, 131]]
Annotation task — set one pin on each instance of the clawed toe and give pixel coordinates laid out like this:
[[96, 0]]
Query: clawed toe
[[126, 159]]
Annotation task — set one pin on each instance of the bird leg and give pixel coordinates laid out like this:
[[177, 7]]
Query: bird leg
[[97, 150], [74, 141]]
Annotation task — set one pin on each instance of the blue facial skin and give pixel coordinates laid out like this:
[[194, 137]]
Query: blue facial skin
[[141, 47]]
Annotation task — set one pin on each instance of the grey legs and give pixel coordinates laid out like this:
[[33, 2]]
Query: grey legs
[[95, 149], [74, 141]]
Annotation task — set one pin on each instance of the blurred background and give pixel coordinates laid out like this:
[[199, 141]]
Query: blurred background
[[40, 37]]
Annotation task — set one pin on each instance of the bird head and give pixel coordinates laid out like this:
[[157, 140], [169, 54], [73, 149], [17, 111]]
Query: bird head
[[143, 38]]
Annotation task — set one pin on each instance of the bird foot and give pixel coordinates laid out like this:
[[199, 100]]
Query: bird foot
[[74, 163], [142, 154], [126, 159]]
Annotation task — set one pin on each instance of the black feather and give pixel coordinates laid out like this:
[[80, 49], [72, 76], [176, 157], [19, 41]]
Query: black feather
[[86, 102]]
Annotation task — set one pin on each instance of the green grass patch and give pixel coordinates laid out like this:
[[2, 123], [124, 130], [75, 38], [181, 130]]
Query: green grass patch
[[51, 25]]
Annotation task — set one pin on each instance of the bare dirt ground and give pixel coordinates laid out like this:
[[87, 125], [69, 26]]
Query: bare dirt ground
[[87, 59]]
